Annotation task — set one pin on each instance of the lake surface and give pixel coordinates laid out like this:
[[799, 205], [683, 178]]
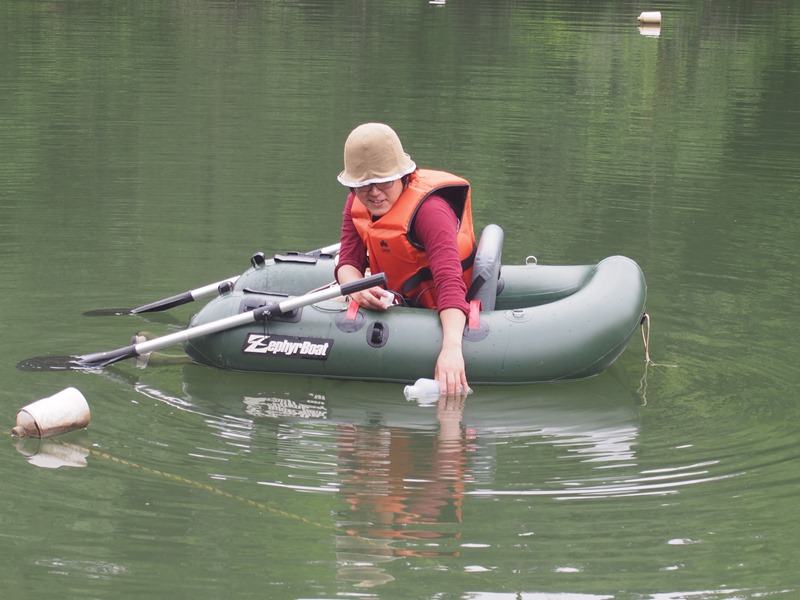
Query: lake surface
[[147, 148]]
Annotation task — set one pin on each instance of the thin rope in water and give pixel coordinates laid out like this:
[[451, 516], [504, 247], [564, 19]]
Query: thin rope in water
[[199, 485], [645, 323], [213, 489]]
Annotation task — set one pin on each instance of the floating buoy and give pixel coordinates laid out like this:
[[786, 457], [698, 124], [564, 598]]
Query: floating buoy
[[650, 17], [62, 412]]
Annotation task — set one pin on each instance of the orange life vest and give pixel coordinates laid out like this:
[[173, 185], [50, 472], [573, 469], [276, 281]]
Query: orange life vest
[[391, 246]]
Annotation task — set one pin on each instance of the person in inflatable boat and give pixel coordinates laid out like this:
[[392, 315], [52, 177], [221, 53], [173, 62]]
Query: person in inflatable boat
[[414, 225]]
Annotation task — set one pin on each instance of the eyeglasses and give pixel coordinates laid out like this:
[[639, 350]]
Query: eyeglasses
[[384, 185]]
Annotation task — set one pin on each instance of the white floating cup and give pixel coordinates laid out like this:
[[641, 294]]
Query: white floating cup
[[650, 17], [62, 412]]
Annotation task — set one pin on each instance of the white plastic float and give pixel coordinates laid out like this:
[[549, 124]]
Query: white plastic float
[[650, 17], [62, 412]]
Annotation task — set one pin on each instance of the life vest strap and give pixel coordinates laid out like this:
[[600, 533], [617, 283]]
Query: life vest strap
[[474, 319], [352, 311]]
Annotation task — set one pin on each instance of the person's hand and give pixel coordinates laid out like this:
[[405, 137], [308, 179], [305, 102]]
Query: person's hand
[[450, 371], [372, 298]]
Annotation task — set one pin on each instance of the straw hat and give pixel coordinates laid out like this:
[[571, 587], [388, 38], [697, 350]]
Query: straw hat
[[373, 154]]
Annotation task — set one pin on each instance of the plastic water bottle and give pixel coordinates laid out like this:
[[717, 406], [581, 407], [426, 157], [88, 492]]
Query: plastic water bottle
[[423, 389]]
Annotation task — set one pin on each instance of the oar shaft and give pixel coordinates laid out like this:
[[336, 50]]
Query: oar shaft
[[185, 335]]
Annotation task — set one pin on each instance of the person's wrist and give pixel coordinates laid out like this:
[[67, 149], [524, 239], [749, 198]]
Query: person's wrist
[[451, 344]]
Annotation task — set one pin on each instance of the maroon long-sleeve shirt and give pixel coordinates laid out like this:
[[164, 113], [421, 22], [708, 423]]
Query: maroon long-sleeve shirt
[[435, 226]]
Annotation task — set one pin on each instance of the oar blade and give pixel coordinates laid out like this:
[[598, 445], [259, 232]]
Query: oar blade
[[49, 363], [75, 363], [165, 304], [108, 312]]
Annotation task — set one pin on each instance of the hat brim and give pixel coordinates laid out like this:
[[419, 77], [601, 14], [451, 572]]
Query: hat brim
[[342, 178]]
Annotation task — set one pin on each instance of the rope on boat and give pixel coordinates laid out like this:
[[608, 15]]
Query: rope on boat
[[645, 323]]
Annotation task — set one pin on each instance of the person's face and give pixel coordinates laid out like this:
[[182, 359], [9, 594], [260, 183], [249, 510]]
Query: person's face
[[379, 197]]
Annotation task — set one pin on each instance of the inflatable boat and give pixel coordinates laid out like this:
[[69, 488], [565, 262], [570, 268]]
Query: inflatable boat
[[529, 323]]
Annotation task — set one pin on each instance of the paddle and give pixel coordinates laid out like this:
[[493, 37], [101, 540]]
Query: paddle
[[191, 295], [262, 313]]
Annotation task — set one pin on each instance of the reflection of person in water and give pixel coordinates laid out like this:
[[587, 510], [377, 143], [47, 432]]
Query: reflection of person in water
[[402, 485]]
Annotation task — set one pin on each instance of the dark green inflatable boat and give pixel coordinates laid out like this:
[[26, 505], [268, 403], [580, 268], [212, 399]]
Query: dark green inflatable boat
[[537, 323]]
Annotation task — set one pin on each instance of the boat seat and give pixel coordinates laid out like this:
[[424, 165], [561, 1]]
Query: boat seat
[[486, 283]]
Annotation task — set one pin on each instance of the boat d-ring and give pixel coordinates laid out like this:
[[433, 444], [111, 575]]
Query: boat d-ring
[[531, 260], [258, 260]]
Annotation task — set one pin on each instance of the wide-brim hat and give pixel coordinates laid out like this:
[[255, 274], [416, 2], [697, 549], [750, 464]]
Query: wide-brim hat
[[373, 153]]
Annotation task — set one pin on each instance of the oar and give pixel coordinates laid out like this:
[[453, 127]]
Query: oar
[[262, 313], [184, 298], [191, 295]]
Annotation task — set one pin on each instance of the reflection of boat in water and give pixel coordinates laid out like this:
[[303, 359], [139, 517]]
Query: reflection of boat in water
[[602, 408]]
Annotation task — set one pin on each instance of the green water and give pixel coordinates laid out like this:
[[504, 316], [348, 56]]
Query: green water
[[147, 148]]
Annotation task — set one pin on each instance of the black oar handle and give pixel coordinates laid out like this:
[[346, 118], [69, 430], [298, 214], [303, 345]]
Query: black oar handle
[[363, 284]]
